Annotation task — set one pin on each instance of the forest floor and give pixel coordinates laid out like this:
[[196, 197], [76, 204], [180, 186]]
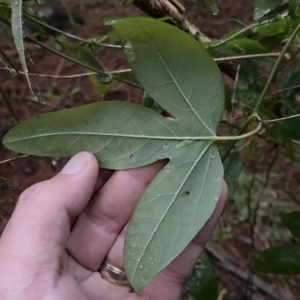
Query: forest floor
[[232, 241]]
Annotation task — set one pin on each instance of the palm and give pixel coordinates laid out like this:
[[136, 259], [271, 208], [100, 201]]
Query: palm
[[47, 260]]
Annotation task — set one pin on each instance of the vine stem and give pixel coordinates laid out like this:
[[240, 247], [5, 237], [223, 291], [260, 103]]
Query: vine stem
[[263, 94], [241, 32]]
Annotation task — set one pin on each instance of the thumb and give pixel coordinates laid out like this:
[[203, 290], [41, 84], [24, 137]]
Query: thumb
[[39, 228]]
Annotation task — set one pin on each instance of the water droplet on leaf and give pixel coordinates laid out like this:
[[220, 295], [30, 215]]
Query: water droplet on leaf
[[129, 52], [183, 144], [166, 147], [104, 78]]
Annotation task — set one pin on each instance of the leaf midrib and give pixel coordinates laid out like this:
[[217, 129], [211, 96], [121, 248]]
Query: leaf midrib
[[183, 138], [171, 203]]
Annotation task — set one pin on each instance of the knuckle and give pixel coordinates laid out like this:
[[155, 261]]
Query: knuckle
[[31, 193], [174, 275]]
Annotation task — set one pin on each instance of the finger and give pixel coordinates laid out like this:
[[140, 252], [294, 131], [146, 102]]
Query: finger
[[103, 176], [37, 233], [98, 227], [168, 283]]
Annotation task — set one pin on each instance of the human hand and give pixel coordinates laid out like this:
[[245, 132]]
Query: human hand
[[57, 238]]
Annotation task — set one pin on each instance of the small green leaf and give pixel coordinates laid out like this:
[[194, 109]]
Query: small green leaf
[[82, 55], [17, 31], [149, 102], [294, 8], [112, 20], [275, 12], [279, 260], [247, 80], [95, 43], [5, 29], [100, 87], [289, 108], [263, 7], [292, 222], [5, 12], [247, 46], [212, 5], [202, 283], [127, 77], [275, 27], [232, 170], [290, 79]]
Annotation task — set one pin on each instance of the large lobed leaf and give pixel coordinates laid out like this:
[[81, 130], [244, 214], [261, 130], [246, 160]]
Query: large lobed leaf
[[181, 77]]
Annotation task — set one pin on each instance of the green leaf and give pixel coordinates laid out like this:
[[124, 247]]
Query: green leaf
[[173, 75], [178, 74], [273, 13], [248, 73], [99, 128], [289, 108], [5, 29], [149, 102], [100, 87], [247, 46], [202, 283], [292, 222], [112, 20], [294, 8], [82, 55], [17, 31], [127, 77], [5, 12], [279, 260], [232, 170], [272, 28], [290, 79], [175, 70], [263, 7], [212, 5]]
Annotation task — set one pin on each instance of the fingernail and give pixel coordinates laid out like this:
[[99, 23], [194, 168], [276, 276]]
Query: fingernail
[[77, 163]]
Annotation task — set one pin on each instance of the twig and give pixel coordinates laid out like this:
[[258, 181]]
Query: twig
[[165, 8], [287, 89], [280, 119], [8, 104], [233, 100], [12, 159], [238, 57]]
